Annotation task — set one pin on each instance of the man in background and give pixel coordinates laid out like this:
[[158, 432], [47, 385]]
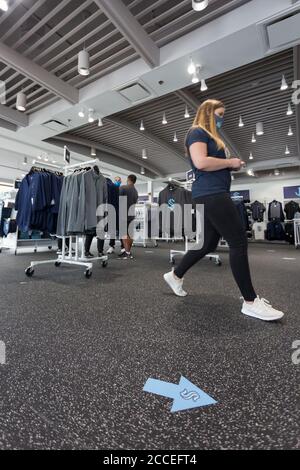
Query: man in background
[[112, 242], [132, 198]]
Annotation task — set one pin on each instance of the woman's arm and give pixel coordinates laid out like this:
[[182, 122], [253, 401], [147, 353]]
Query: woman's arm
[[203, 162]]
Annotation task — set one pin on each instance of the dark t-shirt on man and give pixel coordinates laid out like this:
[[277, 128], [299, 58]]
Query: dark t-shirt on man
[[132, 197]]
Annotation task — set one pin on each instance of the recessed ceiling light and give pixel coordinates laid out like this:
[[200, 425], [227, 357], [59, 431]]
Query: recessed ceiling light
[[199, 5]]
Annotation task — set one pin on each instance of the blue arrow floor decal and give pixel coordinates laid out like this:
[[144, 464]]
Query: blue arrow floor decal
[[185, 395]]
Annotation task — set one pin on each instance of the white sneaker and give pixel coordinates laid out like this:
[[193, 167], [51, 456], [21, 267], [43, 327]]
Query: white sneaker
[[110, 250], [175, 284], [262, 309], [122, 251]]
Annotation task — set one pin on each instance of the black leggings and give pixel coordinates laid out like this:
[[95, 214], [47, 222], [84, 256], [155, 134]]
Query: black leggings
[[221, 218]]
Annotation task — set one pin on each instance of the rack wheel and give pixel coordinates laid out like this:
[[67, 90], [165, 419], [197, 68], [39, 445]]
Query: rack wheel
[[29, 272], [0, 250], [57, 264], [104, 264], [218, 262], [88, 273], [49, 247]]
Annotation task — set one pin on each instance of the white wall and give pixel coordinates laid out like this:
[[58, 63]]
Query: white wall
[[266, 191]]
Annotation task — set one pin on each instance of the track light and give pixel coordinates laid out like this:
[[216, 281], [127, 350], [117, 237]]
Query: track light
[[84, 63], [191, 67], [91, 116], [144, 154], [3, 5], [175, 137], [186, 114], [284, 85], [81, 113], [250, 172], [164, 121], [46, 159], [204, 87], [39, 157], [290, 132], [251, 156], [276, 173], [142, 170], [100, 122], [199, 5], [253, 140], [142, 127], [260, 128], [21, 101], [93, 152], [289, 112], [195, 78], [241, 123], [287, 151]]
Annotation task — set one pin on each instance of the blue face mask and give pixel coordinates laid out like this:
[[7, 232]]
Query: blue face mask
[[219, 121], [118, 183]]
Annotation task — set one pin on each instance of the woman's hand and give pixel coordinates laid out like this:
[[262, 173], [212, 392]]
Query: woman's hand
[[235, 163]]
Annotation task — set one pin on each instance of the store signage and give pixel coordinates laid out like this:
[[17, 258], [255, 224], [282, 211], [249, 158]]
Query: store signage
[[185, 395], [291, 192], [67, 155], [245, 194]]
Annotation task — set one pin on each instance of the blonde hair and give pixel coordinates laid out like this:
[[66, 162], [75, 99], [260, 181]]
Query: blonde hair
[[205, 118]]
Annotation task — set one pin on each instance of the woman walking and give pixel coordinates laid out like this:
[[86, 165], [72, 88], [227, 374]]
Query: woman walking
[[211, 188]]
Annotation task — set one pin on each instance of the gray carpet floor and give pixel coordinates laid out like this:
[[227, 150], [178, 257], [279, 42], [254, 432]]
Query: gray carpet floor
[[78, 353]]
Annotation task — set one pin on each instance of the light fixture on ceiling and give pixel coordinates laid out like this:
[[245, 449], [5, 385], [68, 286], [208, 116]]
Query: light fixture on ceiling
[[81, 113], [253, 140], [241, 122], [21, 101], [290, 132], [199, 5], [100, 122], [204, 86], [191, 67], [39, 157], [142, 127], [250, 172], [284, 85], [175, 137], [84, 63], [142, 170], [287, 150], [93, 152], [186, 114], [195, 78], [289, 112], [34, 162], [3, 5], [91, 116], [25, 161], [144, 154], [251, 156], [164, 120], [260, 128], [46, 159], [53, 161], [276, 173]]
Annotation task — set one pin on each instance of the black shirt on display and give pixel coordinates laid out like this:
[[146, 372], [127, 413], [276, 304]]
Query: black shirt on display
[[290, 209]]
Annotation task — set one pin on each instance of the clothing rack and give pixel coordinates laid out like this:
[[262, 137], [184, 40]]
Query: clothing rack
[[78, 258], [297, 232]]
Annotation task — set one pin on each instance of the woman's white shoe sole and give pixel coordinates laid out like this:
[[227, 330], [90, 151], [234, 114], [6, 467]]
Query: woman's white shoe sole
[[166, 278], [258, 317]]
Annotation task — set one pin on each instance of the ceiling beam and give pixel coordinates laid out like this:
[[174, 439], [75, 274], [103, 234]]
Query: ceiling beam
[[190, 100], [13, 116], [105, 149], [8, 125], [38, 74], [131, 29], [147, 135], [297, 77]]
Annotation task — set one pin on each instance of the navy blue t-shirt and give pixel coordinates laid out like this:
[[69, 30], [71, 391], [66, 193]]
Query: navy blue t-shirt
[[208, 182]]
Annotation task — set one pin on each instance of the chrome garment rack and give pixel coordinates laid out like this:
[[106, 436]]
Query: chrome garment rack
[[76, 258]]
